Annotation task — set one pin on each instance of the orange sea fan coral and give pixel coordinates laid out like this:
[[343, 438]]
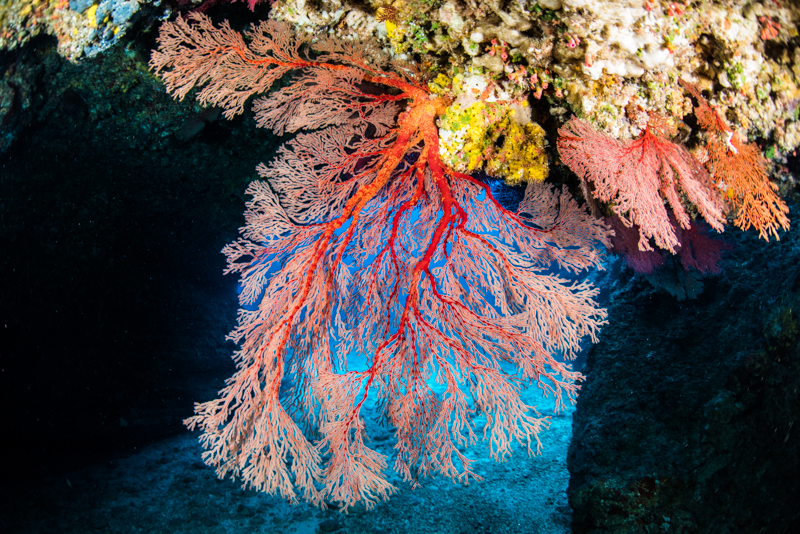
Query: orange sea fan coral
[[740, 171]]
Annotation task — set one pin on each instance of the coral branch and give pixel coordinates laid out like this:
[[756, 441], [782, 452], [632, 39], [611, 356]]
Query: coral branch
[[635, 175]]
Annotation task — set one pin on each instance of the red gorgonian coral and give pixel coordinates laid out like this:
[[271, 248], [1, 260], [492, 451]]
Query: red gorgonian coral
[[637, 175], [360, 241]]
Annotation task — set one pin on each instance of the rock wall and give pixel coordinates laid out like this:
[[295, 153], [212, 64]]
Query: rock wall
[[685, 422]]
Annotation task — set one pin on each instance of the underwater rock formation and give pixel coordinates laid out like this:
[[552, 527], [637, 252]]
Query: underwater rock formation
[[685, 422]]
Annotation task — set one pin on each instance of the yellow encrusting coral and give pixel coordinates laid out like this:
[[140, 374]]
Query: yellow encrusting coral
[[521, 157], [488, 129]]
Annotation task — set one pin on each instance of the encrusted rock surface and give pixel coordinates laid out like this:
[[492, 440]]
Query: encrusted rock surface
[[593, 57]]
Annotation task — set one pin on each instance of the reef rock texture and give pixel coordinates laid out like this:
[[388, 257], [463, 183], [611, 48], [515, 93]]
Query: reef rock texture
[[685, 423], [586, 57], [83, 28], [593, 57]]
